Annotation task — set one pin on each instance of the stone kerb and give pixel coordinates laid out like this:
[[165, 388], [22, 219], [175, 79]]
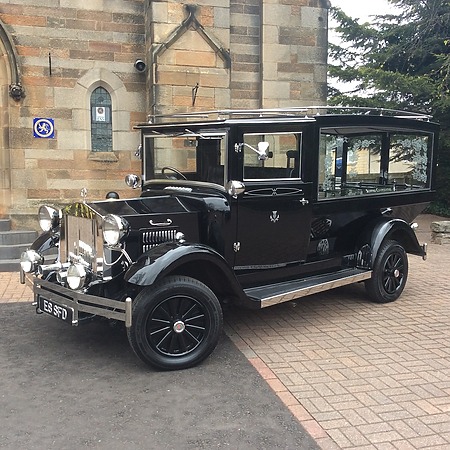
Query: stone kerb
[[440, 232]]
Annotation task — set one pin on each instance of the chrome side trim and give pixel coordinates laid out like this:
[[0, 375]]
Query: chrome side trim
[[321, 287]]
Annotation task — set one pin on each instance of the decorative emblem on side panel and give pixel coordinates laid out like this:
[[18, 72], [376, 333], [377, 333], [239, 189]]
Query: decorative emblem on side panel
[[272, 192], [274, 216], [323, 247]]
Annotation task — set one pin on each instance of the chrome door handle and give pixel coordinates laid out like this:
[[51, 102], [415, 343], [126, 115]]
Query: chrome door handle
[[161, 224], [303, 201]]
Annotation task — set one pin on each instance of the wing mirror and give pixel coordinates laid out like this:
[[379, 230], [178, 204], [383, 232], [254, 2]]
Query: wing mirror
[[261, 149], [133, 181]]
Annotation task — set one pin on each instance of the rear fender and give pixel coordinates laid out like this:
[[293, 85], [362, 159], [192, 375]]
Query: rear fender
[[396, 229]]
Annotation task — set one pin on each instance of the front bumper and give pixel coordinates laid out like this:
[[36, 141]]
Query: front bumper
[[78, 302]]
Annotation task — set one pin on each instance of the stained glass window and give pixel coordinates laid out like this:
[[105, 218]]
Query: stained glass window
[[101, 123]]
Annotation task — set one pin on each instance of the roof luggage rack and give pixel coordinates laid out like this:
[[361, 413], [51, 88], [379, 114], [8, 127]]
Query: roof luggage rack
[[302, 111]]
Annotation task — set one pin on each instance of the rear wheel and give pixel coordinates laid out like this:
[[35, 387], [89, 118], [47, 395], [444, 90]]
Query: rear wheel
[[390, 273], [176, 323]]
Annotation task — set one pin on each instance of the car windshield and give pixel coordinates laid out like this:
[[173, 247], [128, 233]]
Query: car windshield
[[190, 156]]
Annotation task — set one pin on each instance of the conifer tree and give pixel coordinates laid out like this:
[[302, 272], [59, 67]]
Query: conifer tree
[[399, 61]]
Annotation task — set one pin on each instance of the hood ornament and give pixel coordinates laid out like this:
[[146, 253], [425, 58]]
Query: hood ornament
[[83, 194]]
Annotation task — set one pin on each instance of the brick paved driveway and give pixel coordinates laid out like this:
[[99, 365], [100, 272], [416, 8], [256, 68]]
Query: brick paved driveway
[[360, 375], [356, 374]]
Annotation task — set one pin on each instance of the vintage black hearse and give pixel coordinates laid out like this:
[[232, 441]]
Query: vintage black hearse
[[247, 208]]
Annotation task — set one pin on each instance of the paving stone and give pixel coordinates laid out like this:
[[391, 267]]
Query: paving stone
[[357, 375], [392, 359]]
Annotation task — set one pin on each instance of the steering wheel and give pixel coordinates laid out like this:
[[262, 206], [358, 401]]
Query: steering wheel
[[173, 170]]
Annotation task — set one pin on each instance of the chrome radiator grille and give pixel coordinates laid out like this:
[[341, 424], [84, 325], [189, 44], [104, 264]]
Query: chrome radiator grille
[[150, 239], [81, 239]]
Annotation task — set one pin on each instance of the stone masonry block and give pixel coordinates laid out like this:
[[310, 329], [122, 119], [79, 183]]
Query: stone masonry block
[[273, 12], [215, 3], [161, 31], [278, 53], [440, 232], [442, 226], [214, 80], [28, 178], [440, 238], [313, 17], [126, 140], [270, 34], [276, 89], [245, 20], [95, 5], [196, 59], [191, 41], [172, 78], [159, 11], [222, 98], [221, 17]]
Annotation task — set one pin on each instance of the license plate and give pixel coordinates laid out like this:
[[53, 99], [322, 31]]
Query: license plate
[[59, 311]]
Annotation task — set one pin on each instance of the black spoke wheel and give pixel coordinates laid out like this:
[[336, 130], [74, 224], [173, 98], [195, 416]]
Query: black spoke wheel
[[390, 273], [176, 323]]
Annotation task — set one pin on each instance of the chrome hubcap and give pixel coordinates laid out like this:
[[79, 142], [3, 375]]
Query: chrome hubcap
[[178, 326]]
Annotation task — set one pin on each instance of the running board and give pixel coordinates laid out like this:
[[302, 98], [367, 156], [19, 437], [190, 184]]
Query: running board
[[290, 290]]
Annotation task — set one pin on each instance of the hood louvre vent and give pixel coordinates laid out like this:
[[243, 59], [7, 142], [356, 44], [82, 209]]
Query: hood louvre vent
[[151, 239]]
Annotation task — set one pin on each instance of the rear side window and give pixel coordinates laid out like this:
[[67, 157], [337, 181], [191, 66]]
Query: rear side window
[[371, 163], [408, 160]]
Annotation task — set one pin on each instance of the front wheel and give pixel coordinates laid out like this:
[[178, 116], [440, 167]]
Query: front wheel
[[390, 273], [176, 323]]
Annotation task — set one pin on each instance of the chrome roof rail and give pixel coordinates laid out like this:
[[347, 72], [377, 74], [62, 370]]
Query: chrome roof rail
[[301, 111]]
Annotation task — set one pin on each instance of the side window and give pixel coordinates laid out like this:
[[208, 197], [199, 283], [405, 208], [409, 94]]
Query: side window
[[283, 156], [380, 162], [408, 160], [363, 162], [349, 165], [101, 123]]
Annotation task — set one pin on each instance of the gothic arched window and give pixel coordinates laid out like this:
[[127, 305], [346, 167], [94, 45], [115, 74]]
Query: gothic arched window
[[101, 123]]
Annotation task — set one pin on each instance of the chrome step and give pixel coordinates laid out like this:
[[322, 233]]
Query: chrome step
[[284, 292]]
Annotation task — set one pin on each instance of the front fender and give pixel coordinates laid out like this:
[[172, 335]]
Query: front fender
[[169, 257], [45, 242]]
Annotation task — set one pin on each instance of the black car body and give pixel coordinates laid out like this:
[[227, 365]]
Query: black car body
[[249, 208]]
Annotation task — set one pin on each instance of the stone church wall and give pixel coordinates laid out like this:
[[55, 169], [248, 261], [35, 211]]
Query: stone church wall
[[206, 55]]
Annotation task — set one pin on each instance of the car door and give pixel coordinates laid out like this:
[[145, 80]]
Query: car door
[[274, 211]]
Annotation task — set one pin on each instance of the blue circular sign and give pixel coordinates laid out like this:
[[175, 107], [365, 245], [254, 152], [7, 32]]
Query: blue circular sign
[[43, 128]]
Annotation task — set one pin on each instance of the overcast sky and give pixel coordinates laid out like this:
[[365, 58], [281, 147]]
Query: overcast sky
[[363, 8]]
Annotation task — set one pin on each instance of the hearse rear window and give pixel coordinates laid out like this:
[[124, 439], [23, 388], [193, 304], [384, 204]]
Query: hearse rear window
[[372, 162]]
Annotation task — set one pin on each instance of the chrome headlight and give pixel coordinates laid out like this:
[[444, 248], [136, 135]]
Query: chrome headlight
[[115, 228], [76, 276], [48, 218], [29, 260]]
